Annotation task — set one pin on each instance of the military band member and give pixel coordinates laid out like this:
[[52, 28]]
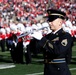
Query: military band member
[[12, 43], [57, 45], [8, 35], [27, 51]]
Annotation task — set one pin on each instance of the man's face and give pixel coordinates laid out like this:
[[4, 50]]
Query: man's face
[[55, 24]]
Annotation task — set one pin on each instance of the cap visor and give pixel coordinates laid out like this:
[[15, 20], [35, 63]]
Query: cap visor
[[52, 18]]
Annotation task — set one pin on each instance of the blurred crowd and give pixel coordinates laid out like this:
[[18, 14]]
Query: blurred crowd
[[24, 10], [30, 10]]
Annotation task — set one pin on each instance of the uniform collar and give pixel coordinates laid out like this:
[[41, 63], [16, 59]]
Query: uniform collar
[[56, 31]]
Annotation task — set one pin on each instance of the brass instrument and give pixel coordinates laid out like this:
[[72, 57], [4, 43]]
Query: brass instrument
[[31, 32]]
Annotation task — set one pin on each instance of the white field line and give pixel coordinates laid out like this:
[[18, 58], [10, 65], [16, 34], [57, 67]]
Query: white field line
[[73, 56], [5, 66], [43, 72], [72, 69], [35, 73]]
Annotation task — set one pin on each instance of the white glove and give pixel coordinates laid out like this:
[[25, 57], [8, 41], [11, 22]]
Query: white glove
[[15, 43], [25, 44], [37, 35]]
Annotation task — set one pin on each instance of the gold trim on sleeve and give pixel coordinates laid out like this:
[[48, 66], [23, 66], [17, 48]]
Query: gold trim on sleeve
[[45, 43], [50, 45]]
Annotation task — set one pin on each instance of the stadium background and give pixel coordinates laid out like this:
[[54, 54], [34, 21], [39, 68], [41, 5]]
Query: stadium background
[[36, 67]]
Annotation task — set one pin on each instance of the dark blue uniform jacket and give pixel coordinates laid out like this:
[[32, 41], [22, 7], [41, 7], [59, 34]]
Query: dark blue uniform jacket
[[57, 52]]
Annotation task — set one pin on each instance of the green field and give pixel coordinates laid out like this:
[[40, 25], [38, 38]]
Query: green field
[[35, 68]]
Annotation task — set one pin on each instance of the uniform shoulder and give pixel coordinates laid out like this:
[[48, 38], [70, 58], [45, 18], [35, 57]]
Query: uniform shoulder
[[66, 33]]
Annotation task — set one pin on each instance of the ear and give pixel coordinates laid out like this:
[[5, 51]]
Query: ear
[[60, 22]]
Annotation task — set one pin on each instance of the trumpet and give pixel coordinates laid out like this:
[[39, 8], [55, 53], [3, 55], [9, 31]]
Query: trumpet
[[31, 32]]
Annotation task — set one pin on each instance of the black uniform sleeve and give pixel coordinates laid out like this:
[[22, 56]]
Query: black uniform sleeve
[[58, 46]]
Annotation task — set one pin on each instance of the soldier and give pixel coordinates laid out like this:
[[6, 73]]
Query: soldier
[[57, 45]]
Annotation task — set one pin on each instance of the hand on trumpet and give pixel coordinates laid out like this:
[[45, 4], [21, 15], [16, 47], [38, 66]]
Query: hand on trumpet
[[37, 35]]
